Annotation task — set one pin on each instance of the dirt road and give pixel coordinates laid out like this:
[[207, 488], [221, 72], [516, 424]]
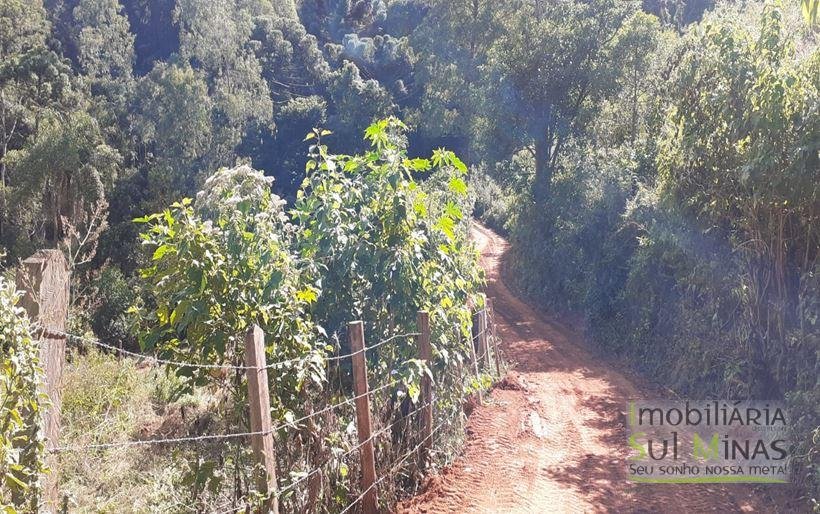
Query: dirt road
[[551, 437]]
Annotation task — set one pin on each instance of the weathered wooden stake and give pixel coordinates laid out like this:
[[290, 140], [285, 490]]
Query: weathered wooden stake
[[425, 354], [259, 399], [494, 332], [355, 333], [482, 336], [474, 339], [474, 357], [44, 278]]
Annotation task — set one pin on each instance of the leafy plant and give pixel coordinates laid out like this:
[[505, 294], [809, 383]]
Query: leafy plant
[[387, 245], [222, 264], [21, 443], [364, 240]]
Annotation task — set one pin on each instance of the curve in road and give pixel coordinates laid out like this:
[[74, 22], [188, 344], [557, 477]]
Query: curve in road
[[551, 437]]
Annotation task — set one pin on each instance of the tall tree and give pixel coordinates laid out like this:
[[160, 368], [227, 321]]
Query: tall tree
[[453, 42], [216, 38], [543, 93], [106, 44], [23, 32], [63, 172], [173, 120], [34, 82]]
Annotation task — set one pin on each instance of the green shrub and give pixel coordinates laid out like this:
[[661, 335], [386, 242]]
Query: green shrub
[[364, 241], [221, 264], [387, 246]]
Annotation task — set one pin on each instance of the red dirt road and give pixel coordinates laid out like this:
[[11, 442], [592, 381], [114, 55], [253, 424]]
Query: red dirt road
[[551, 437]]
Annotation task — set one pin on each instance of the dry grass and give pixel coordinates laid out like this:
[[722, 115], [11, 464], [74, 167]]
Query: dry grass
[[106, 400]]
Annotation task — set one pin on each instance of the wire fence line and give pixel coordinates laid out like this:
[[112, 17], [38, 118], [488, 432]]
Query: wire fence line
[[399, 442], [230, 367], [366, 348], [217, 437], [349, 452], [214, 437], [358, 446], [393, 468]]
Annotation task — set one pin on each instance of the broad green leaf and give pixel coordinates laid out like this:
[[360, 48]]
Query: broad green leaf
[[457, 185]]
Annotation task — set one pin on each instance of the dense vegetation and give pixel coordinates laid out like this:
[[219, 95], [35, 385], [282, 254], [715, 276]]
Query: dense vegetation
[[682, 214], [654, 163], [21, 446]]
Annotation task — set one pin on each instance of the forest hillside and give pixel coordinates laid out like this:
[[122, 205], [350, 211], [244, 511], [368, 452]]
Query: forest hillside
[[208, 168]]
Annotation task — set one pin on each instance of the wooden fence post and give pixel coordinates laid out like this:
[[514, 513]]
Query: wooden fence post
[[425, 354], [355, 333], [259, 399], [482, 335], [474, 357], [475, 339], [494, 333], [44, 278]]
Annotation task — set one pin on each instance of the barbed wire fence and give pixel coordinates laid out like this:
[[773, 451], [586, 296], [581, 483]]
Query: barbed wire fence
[[416, 422]]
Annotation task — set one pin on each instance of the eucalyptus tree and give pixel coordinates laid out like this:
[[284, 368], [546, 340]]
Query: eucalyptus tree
[[35, 84], [106, 43], [216, 39], [355, 103], [23, 32], [297, 74], [60, 192]]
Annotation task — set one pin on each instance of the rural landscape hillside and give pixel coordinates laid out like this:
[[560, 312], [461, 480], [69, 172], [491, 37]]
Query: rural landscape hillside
[[409, 256]]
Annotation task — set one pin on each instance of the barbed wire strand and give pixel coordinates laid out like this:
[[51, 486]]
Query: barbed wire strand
[[229, 367], [390, 472], [334, 406], [371, 347], [372, 437], [214, 437]]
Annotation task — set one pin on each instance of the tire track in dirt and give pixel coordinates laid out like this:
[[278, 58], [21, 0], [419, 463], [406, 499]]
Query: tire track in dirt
[[552, 437]]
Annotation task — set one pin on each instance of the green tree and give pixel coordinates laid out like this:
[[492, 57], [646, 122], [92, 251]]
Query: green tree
[[32, 80], [355, 103], [385, 246], [212, 35], [544, 93], [105, 41], [221, 264], [215, 38], [174, 121], [454, 43], [63, 171], [106, 60], [377, 233]]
